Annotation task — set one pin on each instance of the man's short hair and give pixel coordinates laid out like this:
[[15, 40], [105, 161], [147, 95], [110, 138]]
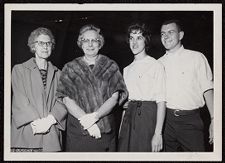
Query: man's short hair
[[176, 21]]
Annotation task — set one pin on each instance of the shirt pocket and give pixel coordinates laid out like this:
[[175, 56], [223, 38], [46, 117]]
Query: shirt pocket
[[187, 75]]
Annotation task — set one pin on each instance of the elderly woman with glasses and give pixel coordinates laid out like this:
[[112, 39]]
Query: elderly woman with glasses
[[91, 86], [37, 117]]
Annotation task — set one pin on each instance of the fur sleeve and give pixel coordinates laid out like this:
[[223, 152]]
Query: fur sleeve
[[65, 87], [117, 84]]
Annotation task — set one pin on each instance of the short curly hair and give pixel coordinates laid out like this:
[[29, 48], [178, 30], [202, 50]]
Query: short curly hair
[[143, 29], [37, 32], [90, 27]]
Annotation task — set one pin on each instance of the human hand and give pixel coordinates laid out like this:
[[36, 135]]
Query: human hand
[[88, 120], [157, 143], [94, 131], [211, 136], [41, 126], [33, 127]]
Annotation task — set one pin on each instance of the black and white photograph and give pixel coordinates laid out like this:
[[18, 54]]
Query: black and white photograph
[[113, 82]]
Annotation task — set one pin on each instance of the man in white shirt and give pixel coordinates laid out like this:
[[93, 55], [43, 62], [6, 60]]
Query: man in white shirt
[[189, 86]]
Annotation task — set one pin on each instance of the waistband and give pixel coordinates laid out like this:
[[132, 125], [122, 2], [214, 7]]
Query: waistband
[[139, 103], [178, 112]]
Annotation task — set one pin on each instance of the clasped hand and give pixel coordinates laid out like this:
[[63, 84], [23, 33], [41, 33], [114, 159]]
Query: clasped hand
[[42, 126], [88, 121], [94, 131]]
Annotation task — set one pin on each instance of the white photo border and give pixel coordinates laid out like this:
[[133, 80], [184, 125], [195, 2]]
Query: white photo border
[[216, 155]]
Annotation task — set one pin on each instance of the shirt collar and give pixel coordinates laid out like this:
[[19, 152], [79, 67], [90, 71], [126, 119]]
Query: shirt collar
[[143, 59], [177, 52]]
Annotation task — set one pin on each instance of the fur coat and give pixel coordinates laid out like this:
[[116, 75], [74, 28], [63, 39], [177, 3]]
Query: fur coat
[[90, 88]]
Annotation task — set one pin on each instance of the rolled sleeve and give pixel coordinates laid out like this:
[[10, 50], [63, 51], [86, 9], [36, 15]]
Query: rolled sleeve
[[59, 112], [205, 75], [160, 82], [117, 84]]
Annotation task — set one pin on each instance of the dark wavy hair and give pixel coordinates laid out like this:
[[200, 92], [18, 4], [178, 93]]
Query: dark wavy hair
[[144, 29]]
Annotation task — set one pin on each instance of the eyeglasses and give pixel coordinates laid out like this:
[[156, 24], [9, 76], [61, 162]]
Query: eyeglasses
[[42, 43], [92, 41]]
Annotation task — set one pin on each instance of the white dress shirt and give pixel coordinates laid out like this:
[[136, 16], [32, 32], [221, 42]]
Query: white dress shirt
[[145, 80], [188, 76]]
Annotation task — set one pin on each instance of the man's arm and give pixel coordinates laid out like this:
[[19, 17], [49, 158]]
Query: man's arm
[[208, 95]]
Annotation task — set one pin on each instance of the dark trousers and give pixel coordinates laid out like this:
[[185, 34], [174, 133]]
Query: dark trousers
[[183, 131]]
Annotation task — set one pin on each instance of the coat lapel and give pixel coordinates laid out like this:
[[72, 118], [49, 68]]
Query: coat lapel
[[50, 76], [40, 94], [36, 84]]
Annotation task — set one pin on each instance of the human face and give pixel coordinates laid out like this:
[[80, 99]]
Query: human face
[[171, 37], [43, 46], [137, 42], [90, 43]]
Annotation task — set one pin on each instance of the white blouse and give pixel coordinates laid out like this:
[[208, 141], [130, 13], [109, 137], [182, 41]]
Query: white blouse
[[145, 80]]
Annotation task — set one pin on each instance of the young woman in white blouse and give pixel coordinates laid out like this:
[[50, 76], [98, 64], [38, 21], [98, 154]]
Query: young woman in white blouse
[[141, 128]]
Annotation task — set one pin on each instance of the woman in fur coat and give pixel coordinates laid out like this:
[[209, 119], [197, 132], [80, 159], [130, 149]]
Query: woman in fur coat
[[91, 86], [37, 117]]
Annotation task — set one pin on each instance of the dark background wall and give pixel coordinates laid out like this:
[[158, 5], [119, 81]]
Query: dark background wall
[[65, 25]]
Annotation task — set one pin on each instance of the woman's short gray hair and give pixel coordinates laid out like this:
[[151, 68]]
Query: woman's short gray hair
[[90, 27], [37, 32]]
